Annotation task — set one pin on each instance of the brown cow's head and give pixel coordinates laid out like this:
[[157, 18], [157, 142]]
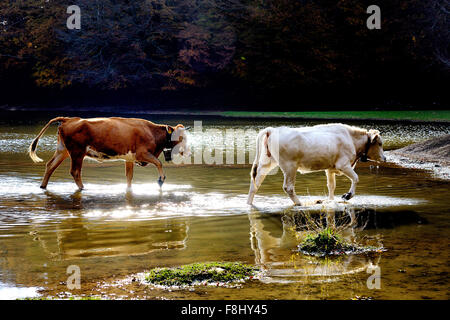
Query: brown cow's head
[[375, 148], [180, 139]]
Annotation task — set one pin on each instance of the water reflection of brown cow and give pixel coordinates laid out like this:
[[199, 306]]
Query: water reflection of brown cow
[[133, 140]]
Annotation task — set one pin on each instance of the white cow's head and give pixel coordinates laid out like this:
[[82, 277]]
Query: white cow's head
[[375, 149], [180, 139]]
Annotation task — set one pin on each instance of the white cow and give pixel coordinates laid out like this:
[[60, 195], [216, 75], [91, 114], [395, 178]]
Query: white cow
[[334, 148]]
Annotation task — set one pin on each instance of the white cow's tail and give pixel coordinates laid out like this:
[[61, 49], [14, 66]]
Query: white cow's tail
[[261, 145], [33, 145]]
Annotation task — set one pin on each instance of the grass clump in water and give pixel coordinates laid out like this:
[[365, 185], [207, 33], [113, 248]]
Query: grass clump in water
[[324, 242], [328, 242], [201, 273]]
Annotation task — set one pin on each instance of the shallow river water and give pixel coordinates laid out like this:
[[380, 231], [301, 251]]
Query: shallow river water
[[201, 215]]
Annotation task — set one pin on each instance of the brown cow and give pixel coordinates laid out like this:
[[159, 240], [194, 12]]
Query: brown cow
[[133, 140]]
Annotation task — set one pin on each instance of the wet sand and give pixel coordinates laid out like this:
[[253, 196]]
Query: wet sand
[[432, 154]]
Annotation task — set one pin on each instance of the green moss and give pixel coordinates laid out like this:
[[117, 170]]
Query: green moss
[[223, 272]]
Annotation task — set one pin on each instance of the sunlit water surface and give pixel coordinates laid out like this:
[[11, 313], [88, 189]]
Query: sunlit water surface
[[201, 215]]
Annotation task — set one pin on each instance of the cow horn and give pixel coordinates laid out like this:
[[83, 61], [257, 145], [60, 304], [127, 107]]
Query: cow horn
[[187, 128]]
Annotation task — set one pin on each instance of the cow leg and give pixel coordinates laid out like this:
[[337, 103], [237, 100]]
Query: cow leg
[[331, 183], [255, 183], [148, 157], [351, 174], [75, 169], [59, 156], [290, 172], [129, 166]]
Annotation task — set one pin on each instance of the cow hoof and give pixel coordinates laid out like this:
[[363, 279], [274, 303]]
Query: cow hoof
[[43, 187], [161, 181], [347, 196]]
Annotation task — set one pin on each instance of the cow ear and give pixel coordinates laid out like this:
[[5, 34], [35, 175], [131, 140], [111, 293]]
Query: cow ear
[[169, 129], [374, 135]]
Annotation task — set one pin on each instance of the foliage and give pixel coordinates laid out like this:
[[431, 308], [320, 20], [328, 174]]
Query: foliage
[[29, 48], [179, 44]]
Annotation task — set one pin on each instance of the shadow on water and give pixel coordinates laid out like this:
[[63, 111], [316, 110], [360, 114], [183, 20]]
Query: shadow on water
[[360, 218]]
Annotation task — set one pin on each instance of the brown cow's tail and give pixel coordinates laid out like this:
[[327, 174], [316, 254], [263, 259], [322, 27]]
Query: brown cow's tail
[[33, 145], [261, 142]]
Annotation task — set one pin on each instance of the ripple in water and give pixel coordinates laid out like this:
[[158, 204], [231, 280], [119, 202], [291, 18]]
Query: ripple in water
[[147, 201]]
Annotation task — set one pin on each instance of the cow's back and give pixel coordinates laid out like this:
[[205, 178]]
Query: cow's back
[[111, 136], [314, 148]]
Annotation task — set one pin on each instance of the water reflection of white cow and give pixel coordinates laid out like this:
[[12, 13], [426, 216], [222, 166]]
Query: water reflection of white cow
[[333, 148], [273, 238]]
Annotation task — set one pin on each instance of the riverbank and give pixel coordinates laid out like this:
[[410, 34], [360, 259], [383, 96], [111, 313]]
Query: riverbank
[[408, 115], [432, 154], [413, 116]]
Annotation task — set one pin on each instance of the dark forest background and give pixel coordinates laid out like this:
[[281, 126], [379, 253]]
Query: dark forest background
[[239, 54]]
